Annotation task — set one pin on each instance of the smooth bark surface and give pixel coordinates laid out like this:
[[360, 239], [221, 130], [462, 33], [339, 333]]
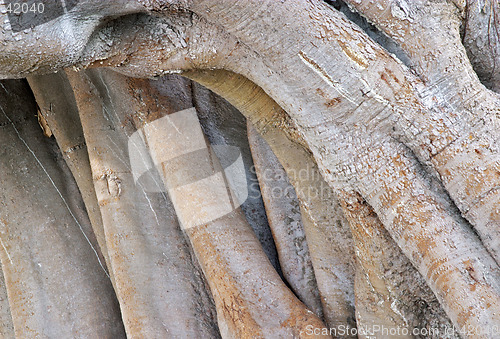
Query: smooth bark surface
[[326, 229], [59, 110], [48, 248], [285, 220], [7, 328], [159, 289], [250, 298]]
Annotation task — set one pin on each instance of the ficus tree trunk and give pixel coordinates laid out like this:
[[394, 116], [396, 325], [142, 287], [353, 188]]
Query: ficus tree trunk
[[391, 144]]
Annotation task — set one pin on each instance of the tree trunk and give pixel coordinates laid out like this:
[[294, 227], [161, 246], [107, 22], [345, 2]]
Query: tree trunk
[[404, 150]]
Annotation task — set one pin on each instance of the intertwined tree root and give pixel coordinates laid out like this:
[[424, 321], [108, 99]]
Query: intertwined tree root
[[119, 218]]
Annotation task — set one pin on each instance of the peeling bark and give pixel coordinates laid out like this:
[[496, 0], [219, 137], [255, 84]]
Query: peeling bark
[[460, 111], [389, 291]]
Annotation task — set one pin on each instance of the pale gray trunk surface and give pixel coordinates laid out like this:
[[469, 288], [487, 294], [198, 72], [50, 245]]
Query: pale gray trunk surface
[[48, 248], [408, 145]]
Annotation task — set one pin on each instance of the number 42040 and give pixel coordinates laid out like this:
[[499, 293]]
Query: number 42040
[[23, 8]]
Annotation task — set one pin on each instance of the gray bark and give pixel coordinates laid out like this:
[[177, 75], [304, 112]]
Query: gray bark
[[326, 229], [418, 143], [48, 248], [285, 220], [157, 285]]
